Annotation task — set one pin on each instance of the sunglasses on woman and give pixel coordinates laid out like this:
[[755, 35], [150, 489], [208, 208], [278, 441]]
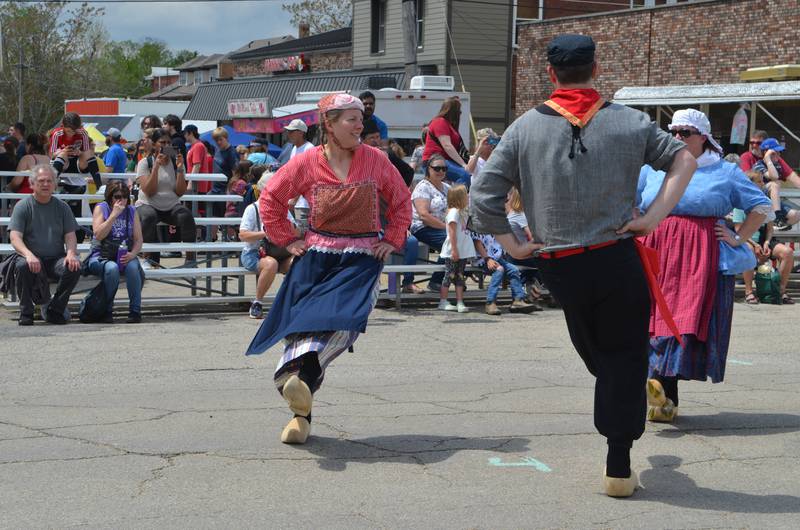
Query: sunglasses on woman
[[683, 133], [119, 197], [439, 168]]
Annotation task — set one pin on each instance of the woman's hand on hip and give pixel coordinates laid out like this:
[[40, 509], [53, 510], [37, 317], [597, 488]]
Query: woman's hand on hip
[[726, 235], [381, 250], [297, 248]]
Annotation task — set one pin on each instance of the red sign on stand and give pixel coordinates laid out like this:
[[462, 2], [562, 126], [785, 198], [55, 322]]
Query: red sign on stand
[[274, 125]]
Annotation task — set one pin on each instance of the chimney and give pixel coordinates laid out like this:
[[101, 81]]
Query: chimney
[[303, 30]]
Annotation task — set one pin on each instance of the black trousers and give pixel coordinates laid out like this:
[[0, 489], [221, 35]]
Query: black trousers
[[55, 268], [179, 216], [606, 303]]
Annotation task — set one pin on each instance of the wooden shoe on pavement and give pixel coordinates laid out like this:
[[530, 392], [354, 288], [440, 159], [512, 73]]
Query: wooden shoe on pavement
[[620, 487], [665, 414], [298, 395], [296, 431], [656, 397]]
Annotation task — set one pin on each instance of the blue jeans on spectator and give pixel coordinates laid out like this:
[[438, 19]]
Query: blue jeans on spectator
[[410, 256], [109, 272], [457, 174], [434, 238], [514, 279], [527, 274]]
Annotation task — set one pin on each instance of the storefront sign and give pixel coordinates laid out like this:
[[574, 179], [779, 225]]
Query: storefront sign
[[249, 108], [295, 63]]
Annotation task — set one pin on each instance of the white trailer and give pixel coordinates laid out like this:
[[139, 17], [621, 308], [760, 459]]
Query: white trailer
[[406, 112]]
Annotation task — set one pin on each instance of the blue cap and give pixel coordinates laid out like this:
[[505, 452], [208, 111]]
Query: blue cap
[[570, 49], [772, 143]]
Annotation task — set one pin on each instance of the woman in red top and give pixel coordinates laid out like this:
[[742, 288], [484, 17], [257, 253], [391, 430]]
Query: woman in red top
[[443, 139], [35, 155], [328, 294]]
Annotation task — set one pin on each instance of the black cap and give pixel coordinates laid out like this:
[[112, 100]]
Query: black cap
[[570, 50]]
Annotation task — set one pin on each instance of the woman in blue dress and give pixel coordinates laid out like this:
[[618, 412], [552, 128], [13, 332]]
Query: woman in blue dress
[[699, 256]]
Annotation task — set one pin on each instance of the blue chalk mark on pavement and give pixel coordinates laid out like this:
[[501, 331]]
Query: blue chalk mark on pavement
[[527, 461], [743, 363]]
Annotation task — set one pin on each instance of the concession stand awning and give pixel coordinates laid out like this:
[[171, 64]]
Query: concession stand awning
[[778, 101]]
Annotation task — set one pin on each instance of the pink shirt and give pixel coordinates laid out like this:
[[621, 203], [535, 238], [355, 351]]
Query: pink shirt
[[309, 174]]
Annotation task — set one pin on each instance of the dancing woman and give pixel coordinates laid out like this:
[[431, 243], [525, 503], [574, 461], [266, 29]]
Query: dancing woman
[[328, 294], [689, 243]]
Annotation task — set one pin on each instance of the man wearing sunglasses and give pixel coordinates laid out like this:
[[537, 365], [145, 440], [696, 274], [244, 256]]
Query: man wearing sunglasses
[[764, 156], [576, 161]]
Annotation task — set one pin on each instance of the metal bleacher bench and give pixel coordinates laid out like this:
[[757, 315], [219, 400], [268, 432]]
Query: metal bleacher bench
[[199, 221], [173, 276]]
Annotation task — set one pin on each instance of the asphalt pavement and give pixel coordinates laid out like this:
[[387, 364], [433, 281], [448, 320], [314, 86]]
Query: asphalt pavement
[[437, 420]]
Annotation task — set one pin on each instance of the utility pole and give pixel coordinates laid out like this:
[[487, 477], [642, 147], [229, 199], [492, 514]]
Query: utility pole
[[20, 99], [410, 39]]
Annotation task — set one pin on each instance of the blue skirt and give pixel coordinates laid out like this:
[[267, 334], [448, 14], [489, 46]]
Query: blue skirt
[[697, 360], [323, 291]]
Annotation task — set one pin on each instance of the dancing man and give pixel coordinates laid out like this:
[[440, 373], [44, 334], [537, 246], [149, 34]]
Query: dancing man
[[328, 294], [576, 161]]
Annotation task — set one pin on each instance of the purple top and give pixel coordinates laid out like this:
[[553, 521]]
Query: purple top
[[121, 229]]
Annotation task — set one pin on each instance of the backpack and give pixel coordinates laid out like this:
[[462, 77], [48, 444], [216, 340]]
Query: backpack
[[768, 284], [93, 306]]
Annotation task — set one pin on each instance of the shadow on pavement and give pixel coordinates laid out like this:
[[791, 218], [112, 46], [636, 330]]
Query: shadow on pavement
[[669, 486], [733, 424], [417, 449]]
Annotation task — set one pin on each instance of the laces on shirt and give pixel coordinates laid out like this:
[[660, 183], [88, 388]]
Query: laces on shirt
[[576, 137]]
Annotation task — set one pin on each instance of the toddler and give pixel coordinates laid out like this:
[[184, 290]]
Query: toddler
[[457, 248]]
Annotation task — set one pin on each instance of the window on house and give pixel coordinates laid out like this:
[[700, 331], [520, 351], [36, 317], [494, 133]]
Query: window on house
[[198, 77], [184, 78], [215, 74], [378, 26], [420, 11]]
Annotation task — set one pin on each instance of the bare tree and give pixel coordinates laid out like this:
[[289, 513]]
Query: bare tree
[[321, 15]]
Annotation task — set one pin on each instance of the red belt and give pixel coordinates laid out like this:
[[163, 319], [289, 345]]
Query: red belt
[[573, 251], [649, 259]]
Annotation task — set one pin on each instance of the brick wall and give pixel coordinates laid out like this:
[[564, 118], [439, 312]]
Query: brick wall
[[698, 43], [157, 83], [320, 62]]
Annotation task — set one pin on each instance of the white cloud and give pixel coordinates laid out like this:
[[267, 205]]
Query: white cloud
[[213, 27]]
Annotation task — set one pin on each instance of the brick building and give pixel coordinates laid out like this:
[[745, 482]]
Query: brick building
[[703, 42]]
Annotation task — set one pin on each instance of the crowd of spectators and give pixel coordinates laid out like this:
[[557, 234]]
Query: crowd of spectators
[[438, 173]]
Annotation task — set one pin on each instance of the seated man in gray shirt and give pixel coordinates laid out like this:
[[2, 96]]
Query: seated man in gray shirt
[[41, 226]]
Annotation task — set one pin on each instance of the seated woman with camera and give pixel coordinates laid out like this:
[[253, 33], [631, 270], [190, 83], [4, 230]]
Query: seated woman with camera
[[162, 181], [259, 254], [116, 243]]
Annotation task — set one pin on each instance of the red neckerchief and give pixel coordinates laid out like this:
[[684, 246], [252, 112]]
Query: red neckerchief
[[580, 104]]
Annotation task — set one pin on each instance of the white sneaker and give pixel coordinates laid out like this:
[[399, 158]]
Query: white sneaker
[[444, 305], [145, 264], [462, 308]]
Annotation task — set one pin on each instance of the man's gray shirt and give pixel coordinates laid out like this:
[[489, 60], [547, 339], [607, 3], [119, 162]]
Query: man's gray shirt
[[570, 202], [43, 226]]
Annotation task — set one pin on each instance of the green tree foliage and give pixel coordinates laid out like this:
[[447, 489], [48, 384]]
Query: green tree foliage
[[60, 45], [321, 15], [126, 64], [66, 54]]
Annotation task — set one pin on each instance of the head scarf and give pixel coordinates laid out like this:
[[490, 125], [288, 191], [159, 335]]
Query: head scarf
[[698, 120], [331, 102]]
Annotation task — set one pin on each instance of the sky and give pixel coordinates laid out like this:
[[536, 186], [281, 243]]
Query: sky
[[205, 27]]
